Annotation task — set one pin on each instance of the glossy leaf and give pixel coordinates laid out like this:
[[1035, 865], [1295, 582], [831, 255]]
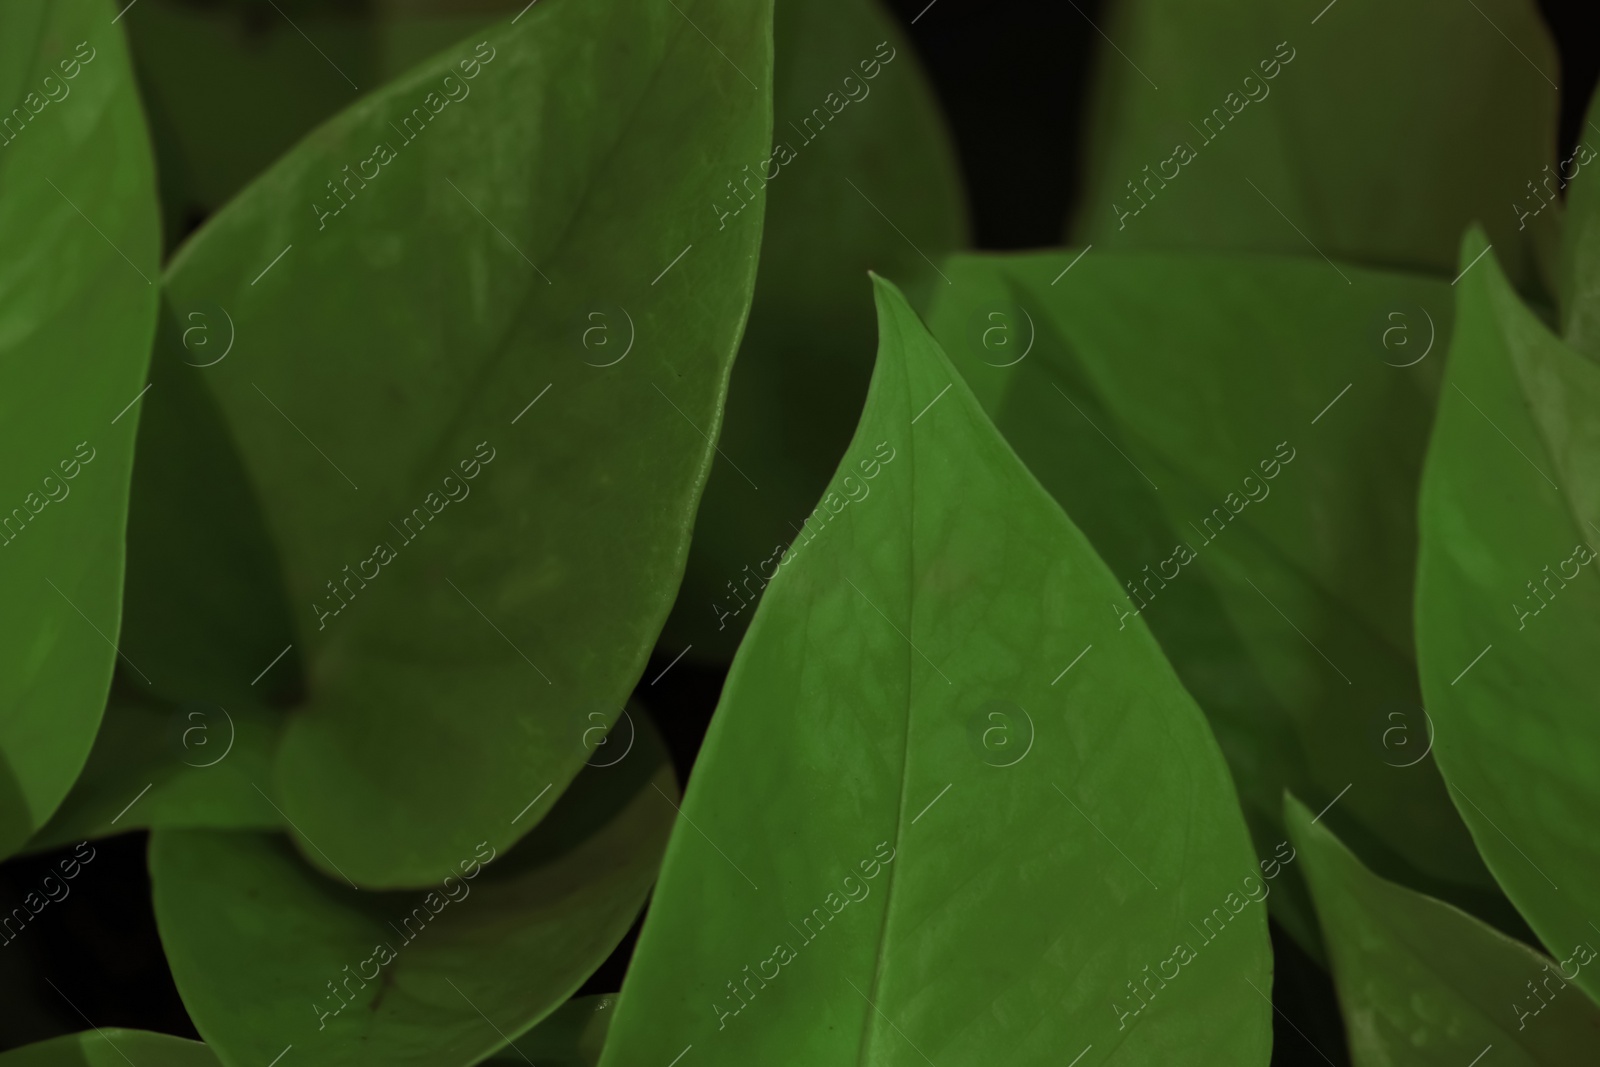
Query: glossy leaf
[[879, 861], [1242, 441], [79, 225], [435, 977], [1350, 130], [856, 132], [194, 766], [481, 534], [111, 1047], [1508, 606], [1423, 983]]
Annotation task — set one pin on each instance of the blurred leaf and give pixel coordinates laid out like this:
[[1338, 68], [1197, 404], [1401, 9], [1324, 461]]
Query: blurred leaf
[[876, 742], [1508, 606], [206, 611], [1423, 983], [79, 225], [1580, 247], [1365, 143], [231, 86], [571, 1036], [111, 1047], [193, 766], [846, 146], [1241, 441], [431, 978], [387, 366]]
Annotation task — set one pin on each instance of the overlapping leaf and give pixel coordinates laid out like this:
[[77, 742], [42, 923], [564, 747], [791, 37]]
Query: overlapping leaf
[[1423, 983], [572, 1036], [231, 86], [1508, 601], [948, 811], [862, 177], [110, 1047], [80, 229], [1355, 130], [269, 953], [156, 764], [480, 534], [1242, 439]]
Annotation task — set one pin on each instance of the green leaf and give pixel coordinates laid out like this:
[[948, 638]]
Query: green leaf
[[802, 371], [1580, 245], [921, 826], [572, 1035], [1508, 609], [1378, 159], [233, 86], [481, 533], [206, 611], [1242, 441], [268, 953], [111, 1047], [193, 766], [1423, 983], [79, 226]]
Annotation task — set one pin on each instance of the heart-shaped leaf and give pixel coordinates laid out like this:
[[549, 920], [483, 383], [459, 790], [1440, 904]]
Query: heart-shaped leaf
[[81, 233], [481, 534], [268, 953], [1242, 440], [947, 810], [1508, 604], [863, 177], [1352, 130], [1423, 983]]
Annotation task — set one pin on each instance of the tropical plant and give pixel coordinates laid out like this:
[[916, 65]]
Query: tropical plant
[[1123, 594]]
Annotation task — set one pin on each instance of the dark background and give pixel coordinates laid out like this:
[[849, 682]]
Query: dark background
[[1011, 76]]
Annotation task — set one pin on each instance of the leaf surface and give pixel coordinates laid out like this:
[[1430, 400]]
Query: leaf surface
[[856, 132], [480, 533], [920, 828], [111, 1047], [194, 765], [571, 1036], [1423, 983], [81, 233], [435, 977], [1364, 144], [1508, 604], [1242, 440]]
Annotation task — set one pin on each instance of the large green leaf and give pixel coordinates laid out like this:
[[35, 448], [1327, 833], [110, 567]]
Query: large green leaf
[[864, 178], [1350, 129], [1242, 442], [111, 1047], [1423, 983], [78, 222], [268, 953], [193, 765], [878, 860], [1508, 606], [481, 533]]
